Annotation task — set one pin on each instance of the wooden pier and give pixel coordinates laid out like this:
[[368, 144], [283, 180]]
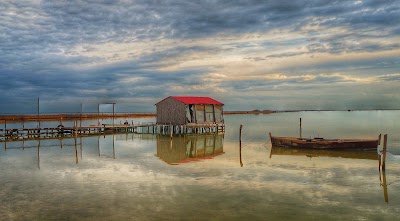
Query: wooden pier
[[21, 134]]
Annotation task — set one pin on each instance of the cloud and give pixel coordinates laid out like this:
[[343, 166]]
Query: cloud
[[389, 77], [143, 50]]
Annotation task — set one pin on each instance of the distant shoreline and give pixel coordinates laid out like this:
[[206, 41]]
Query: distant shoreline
[[76, 116], [68, 117]]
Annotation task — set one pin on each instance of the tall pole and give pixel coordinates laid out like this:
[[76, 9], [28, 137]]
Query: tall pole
[[113, 114], [384, 152], [80, 116], [98, 114], [300, 127], [240, 145], [38, 110]]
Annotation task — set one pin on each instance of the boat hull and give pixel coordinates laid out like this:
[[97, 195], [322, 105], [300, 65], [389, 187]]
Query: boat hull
[[318, 143]]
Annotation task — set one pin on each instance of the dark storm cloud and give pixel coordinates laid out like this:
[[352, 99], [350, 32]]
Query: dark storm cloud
[[67, 23]]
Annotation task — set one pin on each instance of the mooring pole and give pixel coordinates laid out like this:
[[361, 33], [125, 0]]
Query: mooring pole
[[240, 133], [300, 127], [379, 139], [384, 152], [240, 145]]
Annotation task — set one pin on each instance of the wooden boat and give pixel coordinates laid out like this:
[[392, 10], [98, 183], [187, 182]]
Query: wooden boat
[[321, 143]]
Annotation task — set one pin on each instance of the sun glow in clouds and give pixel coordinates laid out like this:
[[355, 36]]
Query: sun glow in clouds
[[218, 49]]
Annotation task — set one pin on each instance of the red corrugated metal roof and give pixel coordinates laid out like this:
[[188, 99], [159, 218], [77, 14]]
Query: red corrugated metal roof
[[195, 100]]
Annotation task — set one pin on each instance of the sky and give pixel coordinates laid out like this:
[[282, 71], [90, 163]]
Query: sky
[[277, 55]]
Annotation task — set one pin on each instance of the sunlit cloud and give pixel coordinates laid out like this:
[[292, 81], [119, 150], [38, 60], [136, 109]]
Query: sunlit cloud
[[121, 49]]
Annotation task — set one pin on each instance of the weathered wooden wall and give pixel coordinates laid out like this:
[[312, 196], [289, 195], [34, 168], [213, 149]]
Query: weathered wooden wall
[[171, 111]]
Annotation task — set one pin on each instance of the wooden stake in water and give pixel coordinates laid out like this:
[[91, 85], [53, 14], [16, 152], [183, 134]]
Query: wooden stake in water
[[384, 152], [240, 145], [300, 127], [240, 133], [379, 139]]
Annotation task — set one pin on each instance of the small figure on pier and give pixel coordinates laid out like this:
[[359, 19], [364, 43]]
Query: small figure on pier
[[126, 122]]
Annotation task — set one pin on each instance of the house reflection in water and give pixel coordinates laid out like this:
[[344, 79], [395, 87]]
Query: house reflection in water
[[190, 147]]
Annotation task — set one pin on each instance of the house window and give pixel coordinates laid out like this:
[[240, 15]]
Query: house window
[[218, 113], [190, 118], [199, 113], [209, 110]]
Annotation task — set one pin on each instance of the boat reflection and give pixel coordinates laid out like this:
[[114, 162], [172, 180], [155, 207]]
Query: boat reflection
[[354, 154], [189, 148], [382, 174], [382, 178]]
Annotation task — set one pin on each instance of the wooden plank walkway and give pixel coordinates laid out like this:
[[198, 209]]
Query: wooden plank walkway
[[21, 134]]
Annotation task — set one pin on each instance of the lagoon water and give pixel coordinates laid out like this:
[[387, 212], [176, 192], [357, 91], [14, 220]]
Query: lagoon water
[[149, 177]]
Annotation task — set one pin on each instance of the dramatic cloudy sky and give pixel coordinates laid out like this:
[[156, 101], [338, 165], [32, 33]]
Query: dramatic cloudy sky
[[304, 54]]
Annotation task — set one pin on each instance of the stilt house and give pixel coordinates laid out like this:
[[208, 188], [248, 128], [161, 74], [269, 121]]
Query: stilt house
[[187, 110]]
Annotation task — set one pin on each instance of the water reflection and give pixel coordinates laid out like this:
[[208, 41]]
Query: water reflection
[[369, 155], [351, 154], [382, 178], [190, 147], [39, 145]]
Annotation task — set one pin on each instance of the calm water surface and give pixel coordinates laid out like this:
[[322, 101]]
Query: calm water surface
[[149, 177]]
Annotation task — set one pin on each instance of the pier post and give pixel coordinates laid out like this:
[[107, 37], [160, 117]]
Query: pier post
[[38, 110], [80, 117], [113, 114], [76, 128]]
